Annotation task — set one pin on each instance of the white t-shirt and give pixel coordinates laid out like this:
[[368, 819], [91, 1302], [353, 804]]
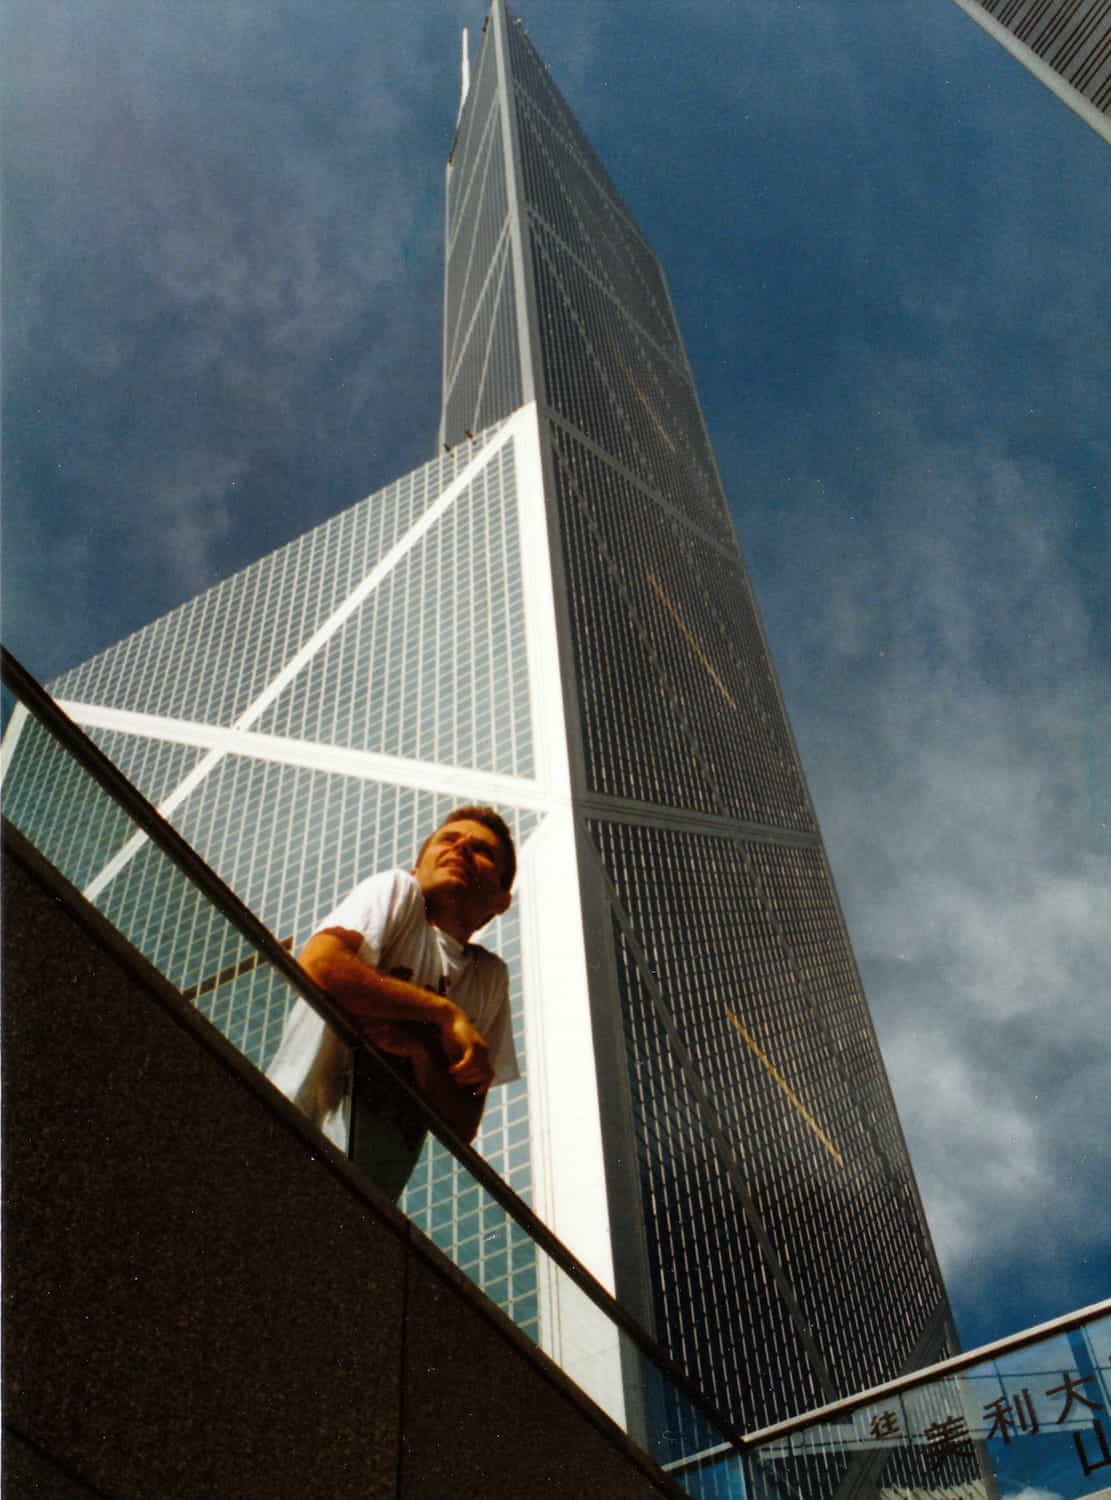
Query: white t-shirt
[[313, 1067]]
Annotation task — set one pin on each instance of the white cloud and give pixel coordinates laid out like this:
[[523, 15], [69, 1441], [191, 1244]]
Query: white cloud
[[959, 659], [189, 516]]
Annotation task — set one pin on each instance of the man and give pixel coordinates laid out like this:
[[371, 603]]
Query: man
[[396, 957]]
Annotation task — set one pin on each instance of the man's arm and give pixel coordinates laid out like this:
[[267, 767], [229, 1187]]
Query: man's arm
[[370, 997]]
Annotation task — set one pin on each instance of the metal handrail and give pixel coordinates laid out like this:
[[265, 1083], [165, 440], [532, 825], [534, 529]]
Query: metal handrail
[[944, 1368], [29, 691]]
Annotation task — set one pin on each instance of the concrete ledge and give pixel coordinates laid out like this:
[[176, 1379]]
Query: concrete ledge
[[202, 1298]]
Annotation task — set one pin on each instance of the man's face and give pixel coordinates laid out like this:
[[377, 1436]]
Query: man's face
[[462, 863]]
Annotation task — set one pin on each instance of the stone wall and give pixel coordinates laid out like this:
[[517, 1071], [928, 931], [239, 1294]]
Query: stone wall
[[200, 1296]]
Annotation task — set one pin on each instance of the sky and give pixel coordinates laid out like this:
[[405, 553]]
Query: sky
[[887, 246]]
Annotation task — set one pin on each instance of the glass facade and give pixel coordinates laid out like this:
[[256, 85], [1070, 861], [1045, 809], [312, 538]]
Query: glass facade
[[704, 1116], [774, 1178]]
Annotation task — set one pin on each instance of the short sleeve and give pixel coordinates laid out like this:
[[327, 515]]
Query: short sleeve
[[373, 909], [312, 1066]]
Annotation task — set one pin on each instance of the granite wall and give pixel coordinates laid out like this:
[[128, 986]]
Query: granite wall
[[202, 1299]]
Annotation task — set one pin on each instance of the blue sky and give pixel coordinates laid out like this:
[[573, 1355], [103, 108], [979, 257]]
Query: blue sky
[[887, 247]]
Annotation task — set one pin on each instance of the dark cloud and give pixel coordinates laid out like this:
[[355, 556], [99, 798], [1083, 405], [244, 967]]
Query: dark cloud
[[951, 769], [222, 269]]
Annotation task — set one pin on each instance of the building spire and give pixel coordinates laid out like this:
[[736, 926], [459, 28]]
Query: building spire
[[465, 81]]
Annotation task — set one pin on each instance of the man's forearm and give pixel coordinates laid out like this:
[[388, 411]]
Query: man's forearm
[[368, 994], [370, 998]]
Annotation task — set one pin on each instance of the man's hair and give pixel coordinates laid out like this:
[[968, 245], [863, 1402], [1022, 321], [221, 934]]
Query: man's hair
[[495, 823]]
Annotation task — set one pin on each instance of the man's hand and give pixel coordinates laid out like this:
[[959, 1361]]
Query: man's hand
[[466, 1051], [458, 1106]]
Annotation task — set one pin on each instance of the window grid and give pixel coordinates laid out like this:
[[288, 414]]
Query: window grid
[[405, 674], [208, 659], [725, 926]]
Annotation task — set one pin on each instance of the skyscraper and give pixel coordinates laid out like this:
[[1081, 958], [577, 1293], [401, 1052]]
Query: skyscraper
[[553, 616], [772, 1223], [1066, 44]]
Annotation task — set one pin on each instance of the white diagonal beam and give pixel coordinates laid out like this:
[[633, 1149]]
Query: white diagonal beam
[[364, 765], [319, 638]]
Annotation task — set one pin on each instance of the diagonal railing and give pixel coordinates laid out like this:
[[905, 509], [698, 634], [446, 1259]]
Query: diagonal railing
[[658, 1407]]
